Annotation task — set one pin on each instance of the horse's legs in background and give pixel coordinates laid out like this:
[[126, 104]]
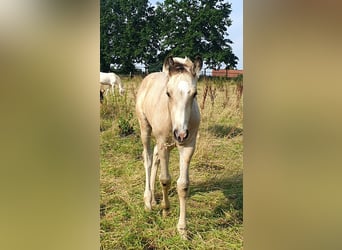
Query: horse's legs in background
[[121, 88], [147, 154], [155, 164], [185, 154], [106, 91], [112, 88], [101, 95], [164, 177]]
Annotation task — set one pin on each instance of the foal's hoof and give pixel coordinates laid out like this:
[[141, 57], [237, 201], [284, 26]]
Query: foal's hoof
[[147, 202], [148, 208], [183, 233], [166, 212]]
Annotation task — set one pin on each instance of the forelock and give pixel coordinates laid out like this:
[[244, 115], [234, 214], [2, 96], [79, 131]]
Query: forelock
[[181, 65]]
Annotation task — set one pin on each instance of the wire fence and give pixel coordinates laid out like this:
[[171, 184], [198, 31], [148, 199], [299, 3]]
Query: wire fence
[[142, 71]]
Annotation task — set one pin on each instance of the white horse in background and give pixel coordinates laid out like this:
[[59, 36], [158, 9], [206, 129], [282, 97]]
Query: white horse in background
[[108, 81], [166, 107]]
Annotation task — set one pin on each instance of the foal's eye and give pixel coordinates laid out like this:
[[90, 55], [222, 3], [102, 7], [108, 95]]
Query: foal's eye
[[168, 94]]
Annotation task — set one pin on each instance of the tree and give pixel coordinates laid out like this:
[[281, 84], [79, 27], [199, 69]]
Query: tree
[[133, 31], [105, 46], [127, 34], [191, 27]]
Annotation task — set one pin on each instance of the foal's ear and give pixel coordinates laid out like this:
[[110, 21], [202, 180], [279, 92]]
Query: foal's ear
[[196, 68], [168, 63]]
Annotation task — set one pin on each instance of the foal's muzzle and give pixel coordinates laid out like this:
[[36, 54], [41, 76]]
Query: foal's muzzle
[[181, 136]]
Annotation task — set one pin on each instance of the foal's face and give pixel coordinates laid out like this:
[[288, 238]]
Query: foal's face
[[181, 92]]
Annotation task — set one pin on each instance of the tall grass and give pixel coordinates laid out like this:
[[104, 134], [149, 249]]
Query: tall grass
[[215, 204]]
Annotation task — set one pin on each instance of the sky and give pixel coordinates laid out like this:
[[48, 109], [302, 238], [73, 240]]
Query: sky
[[235, 31]]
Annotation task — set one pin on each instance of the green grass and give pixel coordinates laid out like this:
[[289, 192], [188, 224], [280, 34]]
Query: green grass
[[215, 202]]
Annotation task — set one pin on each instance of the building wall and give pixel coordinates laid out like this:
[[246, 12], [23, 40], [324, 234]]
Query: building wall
[[232, 73]]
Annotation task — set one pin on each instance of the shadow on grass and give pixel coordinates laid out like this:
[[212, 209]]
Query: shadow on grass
[[232, 188], [225, 131]]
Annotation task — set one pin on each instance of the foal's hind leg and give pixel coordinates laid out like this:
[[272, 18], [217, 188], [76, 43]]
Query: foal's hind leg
[[147, 154], [155, 164]]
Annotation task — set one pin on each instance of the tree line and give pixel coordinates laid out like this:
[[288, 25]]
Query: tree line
[[137, 32]]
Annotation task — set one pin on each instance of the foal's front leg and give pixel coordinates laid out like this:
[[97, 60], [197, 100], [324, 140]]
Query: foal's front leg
[[164, 177], [185, 154]]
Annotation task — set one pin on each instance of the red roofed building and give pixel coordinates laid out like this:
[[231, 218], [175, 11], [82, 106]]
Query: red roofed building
[[231, 73]]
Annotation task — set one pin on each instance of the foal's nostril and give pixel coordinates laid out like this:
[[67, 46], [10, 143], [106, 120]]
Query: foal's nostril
[[180, 136], [175, 134]]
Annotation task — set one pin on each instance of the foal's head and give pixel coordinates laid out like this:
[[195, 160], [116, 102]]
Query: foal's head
[[181, 91]]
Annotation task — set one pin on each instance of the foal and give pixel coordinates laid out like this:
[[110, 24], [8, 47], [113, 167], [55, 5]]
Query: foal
[[166, 107]]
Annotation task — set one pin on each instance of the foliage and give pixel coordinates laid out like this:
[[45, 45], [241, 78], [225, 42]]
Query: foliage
[[125, 126], [197, 27], [127, 33], [137, 32]]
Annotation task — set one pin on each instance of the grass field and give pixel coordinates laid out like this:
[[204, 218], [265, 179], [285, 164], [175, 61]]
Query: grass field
[[215, 202]]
